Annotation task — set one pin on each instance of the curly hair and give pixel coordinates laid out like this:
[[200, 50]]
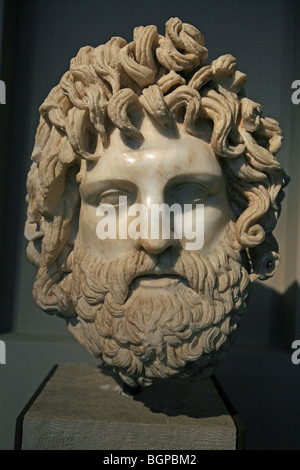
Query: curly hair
[[163, 76]]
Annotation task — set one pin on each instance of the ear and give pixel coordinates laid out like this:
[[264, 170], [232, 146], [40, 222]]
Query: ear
[[264, 259]]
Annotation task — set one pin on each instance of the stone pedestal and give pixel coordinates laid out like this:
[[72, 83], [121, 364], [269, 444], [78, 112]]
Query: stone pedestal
[[81, 407]]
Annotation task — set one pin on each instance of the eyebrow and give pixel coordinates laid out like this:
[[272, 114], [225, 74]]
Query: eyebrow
[[89, 188], [93, 186], [210, 180], [205, 177]]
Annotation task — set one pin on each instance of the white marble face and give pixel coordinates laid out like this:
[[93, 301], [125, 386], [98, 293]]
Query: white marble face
[[162, 169]]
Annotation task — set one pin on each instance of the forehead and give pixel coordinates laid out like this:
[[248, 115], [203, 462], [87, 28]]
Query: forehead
[[160, 156]]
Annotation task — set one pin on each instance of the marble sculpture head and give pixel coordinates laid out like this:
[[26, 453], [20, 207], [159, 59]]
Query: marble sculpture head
[[150, 121]]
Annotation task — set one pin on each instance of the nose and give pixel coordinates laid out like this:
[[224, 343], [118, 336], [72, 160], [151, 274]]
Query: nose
[[153, 247], [160, 239]]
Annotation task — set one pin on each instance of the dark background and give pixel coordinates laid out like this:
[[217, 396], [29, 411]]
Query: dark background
[[38, 39]]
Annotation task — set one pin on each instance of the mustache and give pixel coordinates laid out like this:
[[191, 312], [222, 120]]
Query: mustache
[[116, 276], [172, 262]]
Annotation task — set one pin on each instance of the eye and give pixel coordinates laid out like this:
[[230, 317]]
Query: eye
[[116, 197], [188, 193]]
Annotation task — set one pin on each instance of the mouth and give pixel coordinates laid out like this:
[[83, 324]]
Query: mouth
[[153, 280]]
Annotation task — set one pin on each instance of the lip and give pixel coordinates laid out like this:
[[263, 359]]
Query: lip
[[154, 280]]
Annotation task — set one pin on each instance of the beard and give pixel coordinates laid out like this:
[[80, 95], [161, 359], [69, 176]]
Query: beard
[[145, 333]]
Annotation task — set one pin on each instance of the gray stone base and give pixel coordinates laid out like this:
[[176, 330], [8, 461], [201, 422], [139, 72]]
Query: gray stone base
[[83, 407]]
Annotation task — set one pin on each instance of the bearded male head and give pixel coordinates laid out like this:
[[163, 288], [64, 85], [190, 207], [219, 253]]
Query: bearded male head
[[150, 121]]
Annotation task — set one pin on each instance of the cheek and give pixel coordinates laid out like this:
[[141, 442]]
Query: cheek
[[209, 227], [214, 221], [216, 217], [90, 225]]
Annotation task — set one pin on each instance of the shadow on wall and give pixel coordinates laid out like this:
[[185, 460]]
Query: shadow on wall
[[291, 313], [15, 140], [270, 317]]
